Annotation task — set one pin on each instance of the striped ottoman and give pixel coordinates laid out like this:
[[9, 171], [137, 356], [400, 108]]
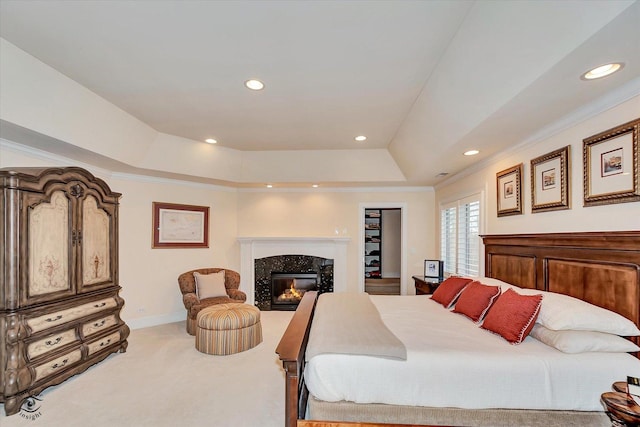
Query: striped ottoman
[[228, 328]]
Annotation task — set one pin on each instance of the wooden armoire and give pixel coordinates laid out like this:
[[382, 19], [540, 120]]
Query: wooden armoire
[[59, 302]]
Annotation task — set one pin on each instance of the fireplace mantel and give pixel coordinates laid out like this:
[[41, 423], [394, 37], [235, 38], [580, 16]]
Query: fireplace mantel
[[295, 239], [252, 248]]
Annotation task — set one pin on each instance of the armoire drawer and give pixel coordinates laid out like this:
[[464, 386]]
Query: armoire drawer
[[58, 364], [90, 328], [51, 343], [102, 343], [63, 316]]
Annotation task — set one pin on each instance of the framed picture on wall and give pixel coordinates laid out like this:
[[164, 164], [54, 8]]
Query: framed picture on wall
[[433, 268], [180, 226], [610, 161], [509, 192], [550, 181]]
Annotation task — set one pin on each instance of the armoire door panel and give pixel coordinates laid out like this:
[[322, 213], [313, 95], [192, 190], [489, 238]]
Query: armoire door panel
[[96, 250], [48, 253]]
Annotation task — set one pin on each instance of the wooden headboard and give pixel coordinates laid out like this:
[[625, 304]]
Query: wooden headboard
[[602, 268]]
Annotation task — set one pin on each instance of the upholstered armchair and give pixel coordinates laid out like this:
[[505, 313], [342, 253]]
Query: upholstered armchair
[[190, 296]]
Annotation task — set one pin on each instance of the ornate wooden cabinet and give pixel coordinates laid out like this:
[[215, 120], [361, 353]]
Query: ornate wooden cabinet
[[59, 302]]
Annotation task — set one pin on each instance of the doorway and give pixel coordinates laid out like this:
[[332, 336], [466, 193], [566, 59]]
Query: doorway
[[382, 249]]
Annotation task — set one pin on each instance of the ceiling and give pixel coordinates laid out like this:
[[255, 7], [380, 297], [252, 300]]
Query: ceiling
[[425, 80]]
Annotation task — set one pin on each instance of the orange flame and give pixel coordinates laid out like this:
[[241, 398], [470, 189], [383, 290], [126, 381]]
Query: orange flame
[[294, 291]]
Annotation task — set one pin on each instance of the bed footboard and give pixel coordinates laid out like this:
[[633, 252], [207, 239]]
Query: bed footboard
[[291, 349]]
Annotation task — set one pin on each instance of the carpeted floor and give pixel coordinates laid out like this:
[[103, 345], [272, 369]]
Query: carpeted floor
[[162, 380]]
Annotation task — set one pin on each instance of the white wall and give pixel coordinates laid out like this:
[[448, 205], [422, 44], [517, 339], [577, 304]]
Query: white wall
[[320, 212], [624, 216], [149, 276]]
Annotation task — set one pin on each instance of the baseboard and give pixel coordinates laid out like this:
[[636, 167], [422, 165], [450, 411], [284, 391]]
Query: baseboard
[[147, 322]]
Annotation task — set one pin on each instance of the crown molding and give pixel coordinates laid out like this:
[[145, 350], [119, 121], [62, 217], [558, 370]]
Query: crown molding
[[54, 159], [380, 189], [57, 160], [171, 181]]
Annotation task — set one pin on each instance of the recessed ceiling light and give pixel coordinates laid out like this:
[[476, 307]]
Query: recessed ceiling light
[[269, 185], [602, 71], [254, 84], [315, 185], [210, 140], [471, 152], [360, 138]]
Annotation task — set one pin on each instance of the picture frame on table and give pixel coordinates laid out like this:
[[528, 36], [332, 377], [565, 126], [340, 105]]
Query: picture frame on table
[[610, 166], [550, 189], [180, 226], [509, 191], [433, 268]]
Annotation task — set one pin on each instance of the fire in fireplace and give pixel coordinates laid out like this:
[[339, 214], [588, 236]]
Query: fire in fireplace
[[287, 289]]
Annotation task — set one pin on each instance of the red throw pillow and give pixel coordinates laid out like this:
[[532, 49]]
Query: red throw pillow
[[475, 300], [513, 315], [449, 290]]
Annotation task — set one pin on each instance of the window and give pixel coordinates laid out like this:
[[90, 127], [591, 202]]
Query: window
[[459, 236]]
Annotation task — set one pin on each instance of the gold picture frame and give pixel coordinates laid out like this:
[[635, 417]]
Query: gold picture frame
[[180, 226], [509, 191], [550, 187], [610, 162]]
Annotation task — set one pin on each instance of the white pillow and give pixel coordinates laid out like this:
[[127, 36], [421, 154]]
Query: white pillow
[[494, 282], [562, 312], [210, 285], [582, 341]]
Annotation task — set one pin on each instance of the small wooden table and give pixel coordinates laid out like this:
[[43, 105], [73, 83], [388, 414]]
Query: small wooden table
[[426, 285], [621, 409]]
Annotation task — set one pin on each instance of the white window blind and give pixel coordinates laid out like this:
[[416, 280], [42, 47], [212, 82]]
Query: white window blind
[[448, 238], [459, 236]]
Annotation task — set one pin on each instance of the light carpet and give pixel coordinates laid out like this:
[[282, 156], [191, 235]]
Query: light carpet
[[162, 380]]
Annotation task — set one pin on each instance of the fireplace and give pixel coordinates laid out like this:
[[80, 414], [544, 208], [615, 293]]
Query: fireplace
[[281, 280], [287, 289], [259, 257]]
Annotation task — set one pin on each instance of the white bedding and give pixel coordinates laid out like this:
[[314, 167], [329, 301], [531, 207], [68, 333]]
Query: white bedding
[[451, 362]]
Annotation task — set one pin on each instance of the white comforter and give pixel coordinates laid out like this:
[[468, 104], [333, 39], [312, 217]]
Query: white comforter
[[451, 362]]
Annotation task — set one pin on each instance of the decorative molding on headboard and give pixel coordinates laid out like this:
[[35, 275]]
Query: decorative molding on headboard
[[611, 240], [517, 269]]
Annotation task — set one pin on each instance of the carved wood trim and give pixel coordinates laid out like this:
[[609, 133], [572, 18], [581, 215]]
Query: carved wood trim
[[609, 240], [68, 353]]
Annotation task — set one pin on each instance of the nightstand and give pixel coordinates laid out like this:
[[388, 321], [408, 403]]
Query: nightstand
[[621, 408], [426, 285]]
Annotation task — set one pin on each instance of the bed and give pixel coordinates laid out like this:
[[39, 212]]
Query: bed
[[602, 269]]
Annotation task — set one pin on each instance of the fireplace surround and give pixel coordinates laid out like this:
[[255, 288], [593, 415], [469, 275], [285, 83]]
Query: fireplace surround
[[276, 278], [252, 248]]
